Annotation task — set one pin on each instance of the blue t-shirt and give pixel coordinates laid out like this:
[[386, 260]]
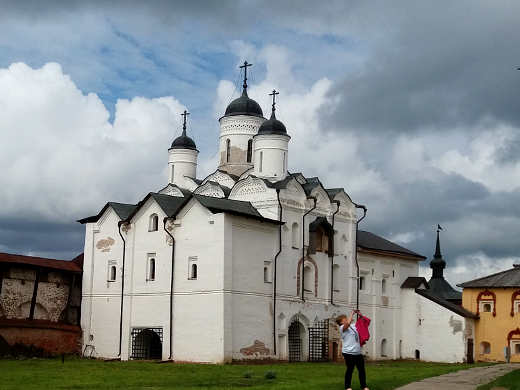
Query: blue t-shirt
[[350, 340]]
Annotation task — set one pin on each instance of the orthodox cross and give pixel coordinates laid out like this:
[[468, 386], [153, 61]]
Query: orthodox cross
[[273, 94], [246, 64], [185, 115]]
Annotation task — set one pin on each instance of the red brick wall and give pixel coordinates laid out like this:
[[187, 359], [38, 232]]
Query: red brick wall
[[53, 338]]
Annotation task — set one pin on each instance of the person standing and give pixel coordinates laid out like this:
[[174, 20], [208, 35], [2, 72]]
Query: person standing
[[351, 350]]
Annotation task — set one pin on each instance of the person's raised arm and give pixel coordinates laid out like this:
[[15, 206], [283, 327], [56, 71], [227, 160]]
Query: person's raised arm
[[347, 321]]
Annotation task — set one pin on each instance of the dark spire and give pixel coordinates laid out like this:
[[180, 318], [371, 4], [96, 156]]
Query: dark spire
[[244, 86], [438, 264], [273, 94]]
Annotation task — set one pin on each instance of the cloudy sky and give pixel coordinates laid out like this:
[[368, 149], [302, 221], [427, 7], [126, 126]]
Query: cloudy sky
[[413, 107]]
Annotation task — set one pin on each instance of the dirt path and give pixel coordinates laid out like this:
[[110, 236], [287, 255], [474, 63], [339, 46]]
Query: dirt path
[[468, 379]]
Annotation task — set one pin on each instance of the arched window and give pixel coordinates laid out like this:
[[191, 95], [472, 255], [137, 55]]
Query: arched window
[[383, 347], [228, 150], [417, 354], [194, 271], [173, 171], [485, 348], [295, 235], [154, 223], [151, 269], [249, 150], [261, 161], [112, 274], [192, 268], [383, 286], [309, 279]]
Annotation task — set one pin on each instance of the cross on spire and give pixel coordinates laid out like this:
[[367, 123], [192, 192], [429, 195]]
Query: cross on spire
[[185, 115], [246, 64], [273, 94]]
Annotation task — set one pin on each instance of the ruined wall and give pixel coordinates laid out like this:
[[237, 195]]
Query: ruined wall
[[53, 339], [54, 326]]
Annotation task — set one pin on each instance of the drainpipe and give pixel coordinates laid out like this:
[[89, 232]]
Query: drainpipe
[[119, 224], [331, 255], [275, 262], [171, 282], [358, 206], [303, 246]]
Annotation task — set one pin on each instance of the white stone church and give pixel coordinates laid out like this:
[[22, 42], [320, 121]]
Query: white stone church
[[251, 262]]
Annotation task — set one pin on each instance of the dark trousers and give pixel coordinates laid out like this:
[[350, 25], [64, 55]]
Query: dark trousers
[[355, 361]]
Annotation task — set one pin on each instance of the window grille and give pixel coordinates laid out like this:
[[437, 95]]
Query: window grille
[[319, 341], [147, 343]]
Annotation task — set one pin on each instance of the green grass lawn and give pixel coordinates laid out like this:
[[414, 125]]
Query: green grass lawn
[[93, 374], [509, 381]]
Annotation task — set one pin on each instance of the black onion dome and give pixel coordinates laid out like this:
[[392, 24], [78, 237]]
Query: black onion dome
[[272, 126], [244, 106], [183, 142]]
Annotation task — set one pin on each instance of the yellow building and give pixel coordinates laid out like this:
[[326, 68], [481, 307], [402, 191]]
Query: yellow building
[[496, 300]]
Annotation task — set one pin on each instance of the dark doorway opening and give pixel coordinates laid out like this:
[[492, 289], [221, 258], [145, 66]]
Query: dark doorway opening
[[469, 355], [295, 341], [417, 354], [147, 343]]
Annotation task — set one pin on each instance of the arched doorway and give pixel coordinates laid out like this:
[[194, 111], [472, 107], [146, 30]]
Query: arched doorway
[[296, 340], [147, 344]]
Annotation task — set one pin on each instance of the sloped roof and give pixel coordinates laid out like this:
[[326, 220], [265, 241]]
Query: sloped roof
[[123, 210], [235, 207], [367, 240], [74, 265], [507, 278], [169, 204], [441, 288], [414, 282], [448, 305]]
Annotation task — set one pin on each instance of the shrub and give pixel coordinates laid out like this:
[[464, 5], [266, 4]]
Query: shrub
[[270, 375]]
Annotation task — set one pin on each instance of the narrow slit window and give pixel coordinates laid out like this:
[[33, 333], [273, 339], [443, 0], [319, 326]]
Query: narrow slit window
[[249, 150], [261, 161], [295, 235], [228, 150], [173, 171], [267, 272], [362, 283], [151, 269]]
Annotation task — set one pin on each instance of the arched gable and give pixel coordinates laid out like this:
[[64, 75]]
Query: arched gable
[[293, 195], [322, 198], [172, 190], [221, 178], [190, 183], [251, 189], [210, 189], [347, 207]]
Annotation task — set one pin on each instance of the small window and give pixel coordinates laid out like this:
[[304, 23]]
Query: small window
[[228, 150], [485, 348], [295, 235], [112, 270], [151, 269], [249, 150], [192, 268], [383, 287], [486, 306], [383, 348], [267, 272], [362, 283], [173, 171], [261, 161], [154, 223], [283, 164], [417, 354], [517, 306], [516, 349]]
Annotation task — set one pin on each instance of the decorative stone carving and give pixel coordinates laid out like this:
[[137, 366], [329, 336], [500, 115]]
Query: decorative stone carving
[[210, 189], [221, 178]]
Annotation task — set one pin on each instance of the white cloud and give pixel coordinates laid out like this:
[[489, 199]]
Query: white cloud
[[62, 158]]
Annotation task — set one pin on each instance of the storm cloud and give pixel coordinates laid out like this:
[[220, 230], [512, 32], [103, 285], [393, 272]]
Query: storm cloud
[[413, 108]]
